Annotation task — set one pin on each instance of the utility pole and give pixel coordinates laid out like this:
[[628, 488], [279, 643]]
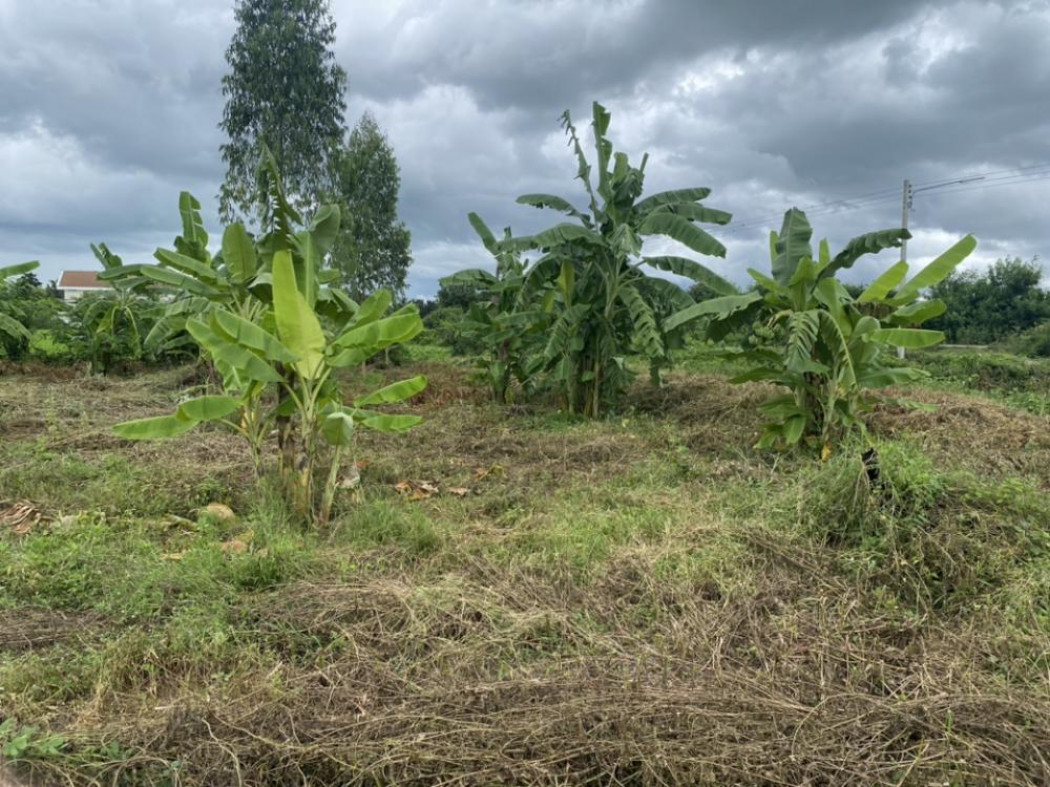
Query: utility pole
[[905, 210], [907, 200]]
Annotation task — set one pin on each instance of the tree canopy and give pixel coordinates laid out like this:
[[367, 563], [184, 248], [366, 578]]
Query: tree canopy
[[373, 248], [990, 305], [285, 90]]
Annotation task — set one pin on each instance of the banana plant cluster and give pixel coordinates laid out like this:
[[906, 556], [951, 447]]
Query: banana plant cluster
[[508, 325], [11, 322], [815, 339], [592, 280], [260, 313]]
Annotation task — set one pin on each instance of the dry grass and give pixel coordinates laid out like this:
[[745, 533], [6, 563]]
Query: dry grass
[[619, 603]]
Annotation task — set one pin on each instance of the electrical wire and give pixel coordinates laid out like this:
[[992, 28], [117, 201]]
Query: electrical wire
[[992, 179]]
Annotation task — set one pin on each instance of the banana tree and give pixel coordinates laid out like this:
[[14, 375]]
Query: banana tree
[[594, 280], [814, 338], [11, 319], [509, 326], [254, 359]]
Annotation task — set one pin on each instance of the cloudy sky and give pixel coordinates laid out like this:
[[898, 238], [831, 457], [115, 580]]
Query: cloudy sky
[[110, 107]]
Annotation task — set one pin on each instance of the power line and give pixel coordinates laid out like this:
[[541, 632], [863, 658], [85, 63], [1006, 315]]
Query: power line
[[989, 179]]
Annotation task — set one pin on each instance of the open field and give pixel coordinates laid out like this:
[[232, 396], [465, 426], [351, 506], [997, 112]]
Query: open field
[[643, 600]]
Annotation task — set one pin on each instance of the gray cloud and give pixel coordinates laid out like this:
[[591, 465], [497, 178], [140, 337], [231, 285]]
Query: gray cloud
[[110, 109]]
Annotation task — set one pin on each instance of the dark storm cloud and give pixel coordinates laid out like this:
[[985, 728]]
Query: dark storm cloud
[[110, 109]]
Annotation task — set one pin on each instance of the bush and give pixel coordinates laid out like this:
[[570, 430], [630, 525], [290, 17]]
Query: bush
[[1033, 343], [985, 371], [444, 326]]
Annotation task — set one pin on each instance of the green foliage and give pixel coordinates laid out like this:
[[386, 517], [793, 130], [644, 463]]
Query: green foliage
[[372, 250], [277, 335], [810, 335], [590, 281], [107, 330], [1033, 343], [930, 538], [990, 305], [502, 319], [285, 91], [14, 309], [27, 743]]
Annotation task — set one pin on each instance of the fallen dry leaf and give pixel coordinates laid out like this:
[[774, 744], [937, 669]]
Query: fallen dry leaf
[[458, 491], [485, 472], [21, 517]]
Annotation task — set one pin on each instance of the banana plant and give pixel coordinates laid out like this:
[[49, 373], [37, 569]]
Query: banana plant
[[509, 326], [593, 279], [254, 359], [815, 339], [261, 311], [11, 319]]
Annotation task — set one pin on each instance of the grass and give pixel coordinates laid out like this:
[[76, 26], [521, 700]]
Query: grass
[[641, 600]]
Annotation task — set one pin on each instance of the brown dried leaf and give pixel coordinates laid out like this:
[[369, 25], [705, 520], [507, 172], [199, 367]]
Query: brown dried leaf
[[458, 491]]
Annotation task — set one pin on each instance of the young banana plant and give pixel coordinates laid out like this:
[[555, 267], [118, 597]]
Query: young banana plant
[[812, 337], [593, 280], [504, 321], [255, 358], [11, 323]]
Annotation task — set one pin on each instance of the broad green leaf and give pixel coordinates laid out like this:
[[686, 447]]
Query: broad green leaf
[[396, 392], [238, 252], [13, 327], [880, 378], [375, 336], [324, 229], [338, 428], [682, 266], [154, 428], [908, 338], [192, 225], [674, 197], [884, 284], [249, 365], [720, 307], [791, 245], [249, 334], [646, 331], [179, 280], [208, 408], [374, 307], [472, 277], [918, 312], [558, 343], [793, 428], [683, 231], [297, 326], [488, 240], [694, 212], [558, 235], [550, 201], [187, 265], [18, 269], [772, 285], [869, 243], [937, 270]]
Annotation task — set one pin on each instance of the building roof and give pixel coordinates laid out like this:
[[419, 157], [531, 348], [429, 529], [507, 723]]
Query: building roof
[[80, 280]]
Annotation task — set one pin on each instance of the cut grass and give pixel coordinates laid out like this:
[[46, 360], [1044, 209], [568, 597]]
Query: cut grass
[[642, 600]]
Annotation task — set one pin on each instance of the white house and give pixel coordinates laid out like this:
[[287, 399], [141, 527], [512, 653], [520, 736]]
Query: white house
[[73, 284]]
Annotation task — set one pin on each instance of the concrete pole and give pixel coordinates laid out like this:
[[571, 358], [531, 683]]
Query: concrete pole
[[905, 209]]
